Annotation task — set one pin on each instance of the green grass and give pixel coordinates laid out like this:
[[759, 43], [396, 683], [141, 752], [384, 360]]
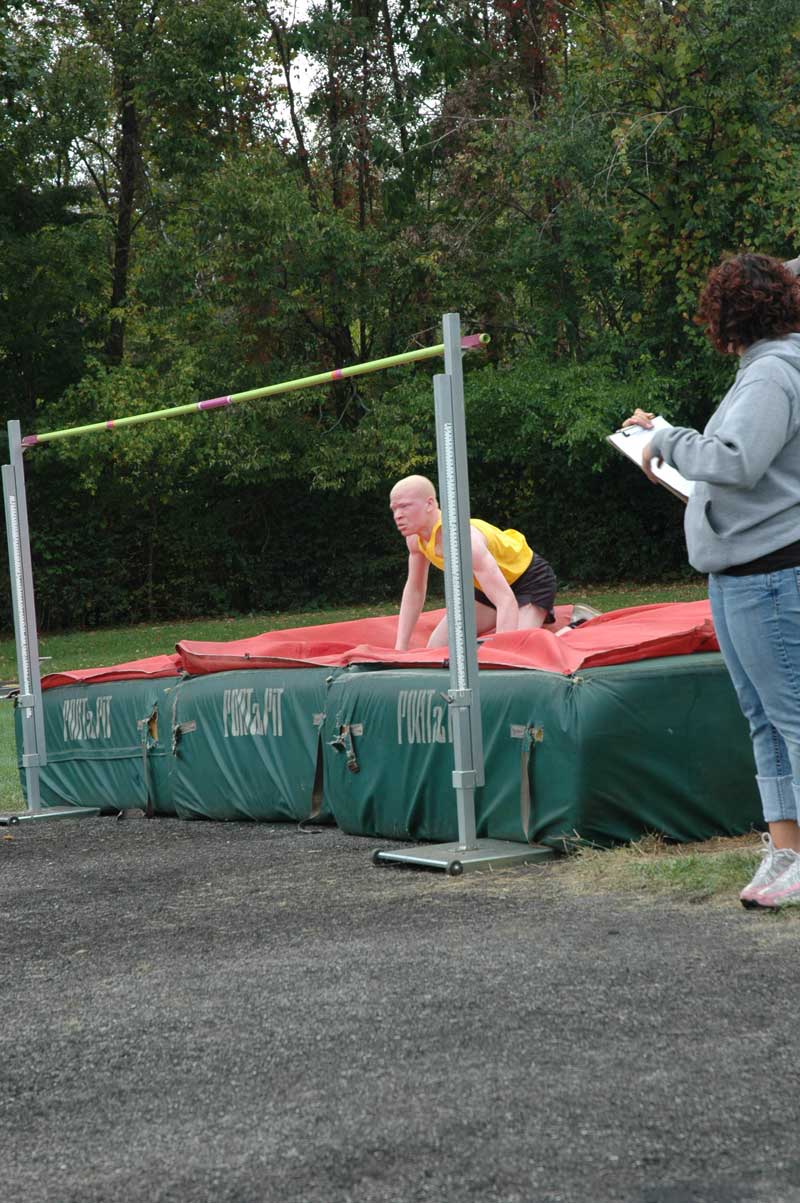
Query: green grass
[[617, 597], [710, 872], [692, 871], [10, 789]]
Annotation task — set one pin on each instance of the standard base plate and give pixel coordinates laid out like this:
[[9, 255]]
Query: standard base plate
[[455, 860], [11, 818]]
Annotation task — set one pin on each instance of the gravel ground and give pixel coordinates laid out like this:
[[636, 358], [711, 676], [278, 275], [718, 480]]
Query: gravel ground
[[239, 1013]]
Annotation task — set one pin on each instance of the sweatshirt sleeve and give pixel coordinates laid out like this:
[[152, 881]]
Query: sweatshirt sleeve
[[753, 430]]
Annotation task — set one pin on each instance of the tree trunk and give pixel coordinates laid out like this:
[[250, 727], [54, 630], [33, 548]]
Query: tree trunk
[[393, 71], [128, 155]]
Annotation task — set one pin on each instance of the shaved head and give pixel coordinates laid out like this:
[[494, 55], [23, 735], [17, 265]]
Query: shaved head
[[415, 486]]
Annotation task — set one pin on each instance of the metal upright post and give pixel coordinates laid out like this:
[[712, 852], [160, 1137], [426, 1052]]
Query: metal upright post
[[463, 695], [29, 701], [451, 449]]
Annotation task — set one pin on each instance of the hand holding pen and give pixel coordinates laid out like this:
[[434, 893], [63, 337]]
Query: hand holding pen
[[640, 417]]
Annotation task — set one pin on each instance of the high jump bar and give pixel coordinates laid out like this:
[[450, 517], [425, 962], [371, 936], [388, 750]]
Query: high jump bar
[[468, 343]]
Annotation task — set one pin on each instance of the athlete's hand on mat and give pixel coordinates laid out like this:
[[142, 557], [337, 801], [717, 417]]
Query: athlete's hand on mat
[[640, 417], [648, 455]]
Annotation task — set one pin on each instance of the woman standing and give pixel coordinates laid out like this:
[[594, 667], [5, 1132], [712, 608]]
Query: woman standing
[[743, 528]]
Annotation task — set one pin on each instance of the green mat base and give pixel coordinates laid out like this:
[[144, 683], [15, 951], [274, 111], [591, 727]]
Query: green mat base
[[602, 757]]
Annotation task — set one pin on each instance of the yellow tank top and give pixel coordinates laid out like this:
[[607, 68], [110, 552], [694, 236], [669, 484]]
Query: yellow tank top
[[508, 547]]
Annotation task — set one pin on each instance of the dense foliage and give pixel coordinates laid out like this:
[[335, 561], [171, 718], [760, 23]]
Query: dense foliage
[[202, 198]]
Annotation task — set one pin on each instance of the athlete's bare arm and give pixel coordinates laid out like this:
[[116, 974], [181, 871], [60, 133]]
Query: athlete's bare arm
[[414, 594], [494, 584]]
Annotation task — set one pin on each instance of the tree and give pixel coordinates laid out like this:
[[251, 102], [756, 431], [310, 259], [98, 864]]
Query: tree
[[50, 253]]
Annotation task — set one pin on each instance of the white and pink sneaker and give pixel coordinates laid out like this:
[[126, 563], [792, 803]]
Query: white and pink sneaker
[[784, 890], [774, 863]]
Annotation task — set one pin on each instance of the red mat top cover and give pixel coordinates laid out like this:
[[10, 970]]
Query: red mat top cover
[[153, 666], [636, 633]]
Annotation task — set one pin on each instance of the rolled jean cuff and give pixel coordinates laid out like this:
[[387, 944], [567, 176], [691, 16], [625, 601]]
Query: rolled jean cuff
[[779, 798]]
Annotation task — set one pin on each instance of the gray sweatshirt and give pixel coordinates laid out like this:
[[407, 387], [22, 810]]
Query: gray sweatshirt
[[746, 463]]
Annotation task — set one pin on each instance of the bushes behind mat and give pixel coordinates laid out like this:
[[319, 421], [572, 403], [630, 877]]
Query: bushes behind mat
[[166, 546]]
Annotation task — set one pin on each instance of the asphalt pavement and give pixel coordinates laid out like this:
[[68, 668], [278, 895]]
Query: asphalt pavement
[[239, 1013]]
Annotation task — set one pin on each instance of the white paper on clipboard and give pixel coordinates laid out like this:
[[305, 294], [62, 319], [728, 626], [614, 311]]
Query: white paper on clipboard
[[631, 440]]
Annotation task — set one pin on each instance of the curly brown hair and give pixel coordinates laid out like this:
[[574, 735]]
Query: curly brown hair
[[748, 297]]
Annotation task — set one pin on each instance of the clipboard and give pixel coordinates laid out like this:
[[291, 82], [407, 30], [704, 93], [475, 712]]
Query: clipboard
[[631, 440]]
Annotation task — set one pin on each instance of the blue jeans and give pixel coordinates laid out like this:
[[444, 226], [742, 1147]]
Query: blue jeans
[[757, 620]]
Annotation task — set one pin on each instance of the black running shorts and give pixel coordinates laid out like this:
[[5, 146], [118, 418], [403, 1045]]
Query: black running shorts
[[536, 587]]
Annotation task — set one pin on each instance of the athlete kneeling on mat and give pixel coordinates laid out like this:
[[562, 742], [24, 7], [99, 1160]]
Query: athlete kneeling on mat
[[514, 588]]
